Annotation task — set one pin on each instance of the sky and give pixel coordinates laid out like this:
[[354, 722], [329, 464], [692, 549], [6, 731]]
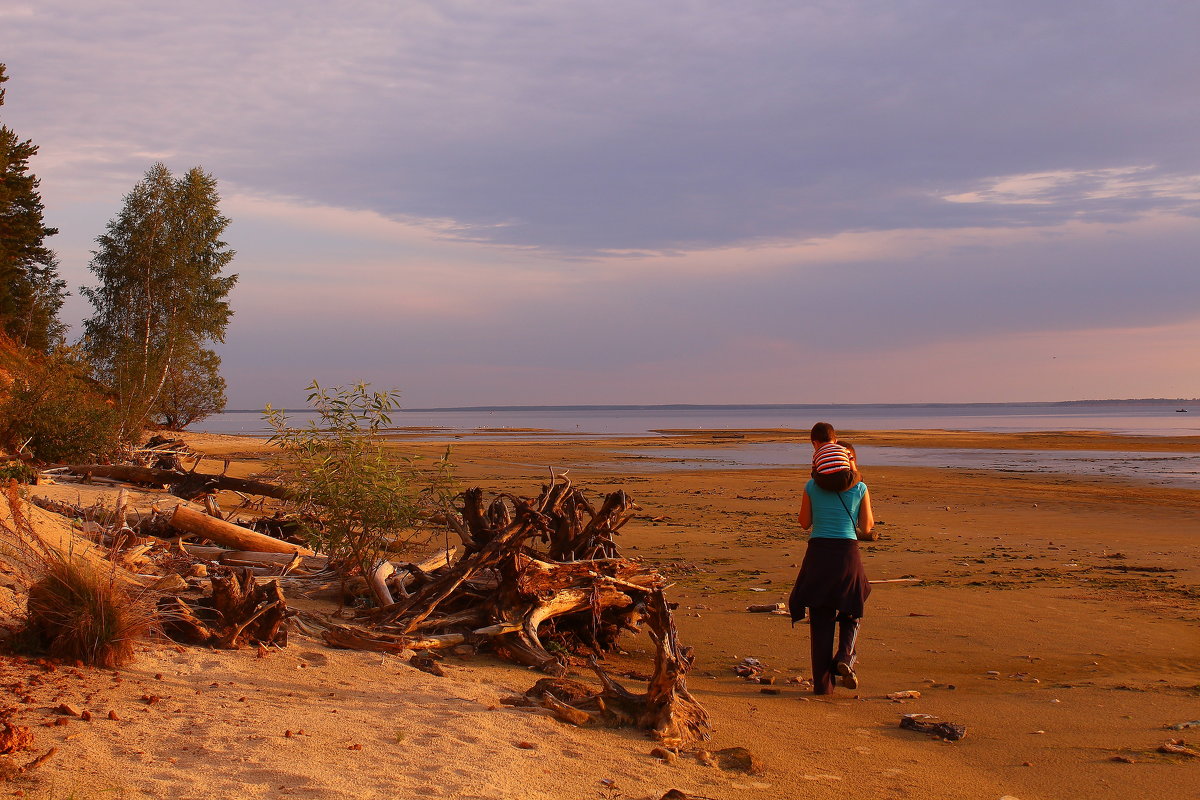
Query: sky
[[683, 201]]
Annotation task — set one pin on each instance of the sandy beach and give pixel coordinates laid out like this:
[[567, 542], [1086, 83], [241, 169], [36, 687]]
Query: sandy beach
[[1053, 616]]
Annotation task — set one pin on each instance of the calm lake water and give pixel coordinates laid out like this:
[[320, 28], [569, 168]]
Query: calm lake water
[[1149, 419], [599, 422]]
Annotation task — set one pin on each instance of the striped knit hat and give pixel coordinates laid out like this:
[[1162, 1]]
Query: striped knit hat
[[830, 457]]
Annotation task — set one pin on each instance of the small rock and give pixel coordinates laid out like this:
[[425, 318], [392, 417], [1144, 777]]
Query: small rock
[[150, 699], [738, 759], [68, 709], [198, 571], [62, 721], [158, 676], [86, 716], [907, 694], [1123, 759], [355, 747], [706, 758], [770, 690], [1026, 763], [113, 716], [525, 745]]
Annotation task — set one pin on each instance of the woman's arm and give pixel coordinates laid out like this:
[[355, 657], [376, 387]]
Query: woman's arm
[[866, 519], [805, 512]]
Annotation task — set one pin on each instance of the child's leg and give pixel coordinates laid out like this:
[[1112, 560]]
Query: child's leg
[[838, 481]]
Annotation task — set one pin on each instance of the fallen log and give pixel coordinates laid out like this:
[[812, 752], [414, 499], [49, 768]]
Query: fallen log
[[226, 533], [169, 477], [224, 554]]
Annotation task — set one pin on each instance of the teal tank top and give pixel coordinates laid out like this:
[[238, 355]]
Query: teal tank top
[[830, 520]]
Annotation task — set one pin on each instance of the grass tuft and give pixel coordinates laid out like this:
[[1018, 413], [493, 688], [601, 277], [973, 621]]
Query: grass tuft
[[79, 609], [79, 613]]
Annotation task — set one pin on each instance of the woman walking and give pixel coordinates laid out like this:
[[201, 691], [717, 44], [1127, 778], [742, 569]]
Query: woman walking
[[832, 585]]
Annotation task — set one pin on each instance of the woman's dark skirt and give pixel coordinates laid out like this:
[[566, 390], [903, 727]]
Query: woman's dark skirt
[[831, 576]]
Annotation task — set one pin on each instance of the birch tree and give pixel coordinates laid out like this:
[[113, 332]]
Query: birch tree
[[162, 292]]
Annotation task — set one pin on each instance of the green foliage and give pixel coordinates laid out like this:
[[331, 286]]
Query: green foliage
[[162, 294], [31, 292], [193, 390], [17, 471], [365, 496], [55, 412]]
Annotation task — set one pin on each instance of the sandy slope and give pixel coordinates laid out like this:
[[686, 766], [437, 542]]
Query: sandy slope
[[1049, 583]]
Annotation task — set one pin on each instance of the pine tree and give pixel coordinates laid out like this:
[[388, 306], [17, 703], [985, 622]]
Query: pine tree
[[162, 294], [31, 293]]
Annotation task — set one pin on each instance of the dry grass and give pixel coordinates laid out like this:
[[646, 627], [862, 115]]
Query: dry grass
[[78, 609], [79, 613]]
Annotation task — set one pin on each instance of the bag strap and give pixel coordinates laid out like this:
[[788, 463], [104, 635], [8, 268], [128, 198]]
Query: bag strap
[[853, 521]]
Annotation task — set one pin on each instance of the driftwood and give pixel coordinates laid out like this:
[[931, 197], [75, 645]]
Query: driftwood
[[240, 611], [182, 483], [226, 533], [507, 595], [226, 556], [666, 709]]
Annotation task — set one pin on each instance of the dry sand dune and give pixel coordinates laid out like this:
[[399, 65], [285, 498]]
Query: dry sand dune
[[1055, 617]]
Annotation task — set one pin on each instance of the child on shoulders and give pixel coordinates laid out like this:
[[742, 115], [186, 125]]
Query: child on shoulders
[[833, 467]]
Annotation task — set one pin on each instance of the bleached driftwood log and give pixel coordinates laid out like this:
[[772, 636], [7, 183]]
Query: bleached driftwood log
[[226, 533]]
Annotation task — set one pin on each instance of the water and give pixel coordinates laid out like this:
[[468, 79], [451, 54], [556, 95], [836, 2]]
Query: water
[[1165, 469], [1137, 418]]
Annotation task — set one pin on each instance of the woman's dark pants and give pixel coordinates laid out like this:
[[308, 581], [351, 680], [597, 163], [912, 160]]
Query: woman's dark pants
[[821, 629]]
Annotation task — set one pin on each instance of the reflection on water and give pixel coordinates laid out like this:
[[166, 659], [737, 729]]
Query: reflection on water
[[1170, 469]]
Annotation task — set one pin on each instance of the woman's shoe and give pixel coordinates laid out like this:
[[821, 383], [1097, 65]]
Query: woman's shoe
[[846, 673]]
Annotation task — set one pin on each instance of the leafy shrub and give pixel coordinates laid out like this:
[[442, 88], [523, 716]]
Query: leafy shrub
[[17, 471], [342, 473], [57, 414]]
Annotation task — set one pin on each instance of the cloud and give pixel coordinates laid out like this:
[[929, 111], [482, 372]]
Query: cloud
[[612, 125], [694, 195], [1082, 189]]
